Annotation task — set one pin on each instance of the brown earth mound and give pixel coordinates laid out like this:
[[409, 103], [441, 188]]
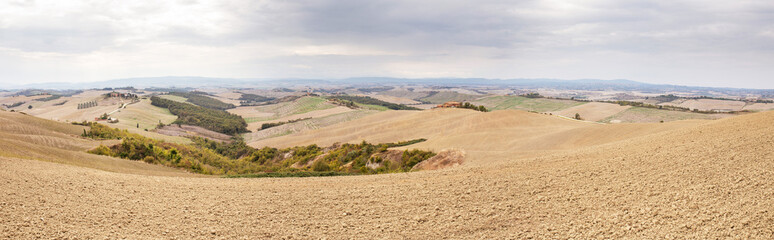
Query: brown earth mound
[[444, 159]]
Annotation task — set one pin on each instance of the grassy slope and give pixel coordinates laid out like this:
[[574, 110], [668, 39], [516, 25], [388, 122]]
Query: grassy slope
[[147, 116], [305, 125], [300, 106], [28, 137], [527, 104], [174, 98]]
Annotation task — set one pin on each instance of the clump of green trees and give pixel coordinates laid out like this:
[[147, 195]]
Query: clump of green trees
[[468, 105], [49, 98], [532, 95], [211, 119], [16, 104], [201, 99]]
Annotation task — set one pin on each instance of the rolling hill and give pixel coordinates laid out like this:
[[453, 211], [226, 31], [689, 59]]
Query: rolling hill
[[527, 176]]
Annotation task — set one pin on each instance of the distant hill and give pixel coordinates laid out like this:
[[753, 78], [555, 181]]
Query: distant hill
[[581, 84]]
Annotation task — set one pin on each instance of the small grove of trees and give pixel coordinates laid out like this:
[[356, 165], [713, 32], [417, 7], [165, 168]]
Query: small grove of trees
[[87, 105], [345, 103], [16, 104], [211, 119], [532, 95], [468, 105]]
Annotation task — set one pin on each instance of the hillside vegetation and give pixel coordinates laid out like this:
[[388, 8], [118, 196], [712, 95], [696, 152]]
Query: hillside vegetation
[[212, 157], [211, 119]]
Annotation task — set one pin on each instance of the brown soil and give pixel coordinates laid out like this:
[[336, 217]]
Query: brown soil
[[593, 111], [705, 180], [444, 159]]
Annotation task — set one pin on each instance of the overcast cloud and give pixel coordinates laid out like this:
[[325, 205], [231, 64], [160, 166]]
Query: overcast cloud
[[705, 43]]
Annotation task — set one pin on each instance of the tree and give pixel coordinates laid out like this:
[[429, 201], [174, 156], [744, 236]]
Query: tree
[[29, 107], [577, 116]]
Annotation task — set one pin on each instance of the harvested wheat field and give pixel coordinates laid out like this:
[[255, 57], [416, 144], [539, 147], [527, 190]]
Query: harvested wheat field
[[593, 111], [526, 176]]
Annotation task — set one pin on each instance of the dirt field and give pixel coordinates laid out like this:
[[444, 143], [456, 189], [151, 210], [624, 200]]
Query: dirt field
[[759, 106], [703, 180], [708, 104], [650, 115], [507, 132], [593, 111]]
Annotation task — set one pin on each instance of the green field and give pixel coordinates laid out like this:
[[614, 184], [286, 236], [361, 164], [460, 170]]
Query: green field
[[174, 98], [640, 114], [300, 106], [447, 96], [527, 104]]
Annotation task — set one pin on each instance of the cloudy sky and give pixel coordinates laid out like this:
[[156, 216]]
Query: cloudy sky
[[688, 42]]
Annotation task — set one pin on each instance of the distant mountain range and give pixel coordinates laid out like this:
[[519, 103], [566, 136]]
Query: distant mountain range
[[199, 82]]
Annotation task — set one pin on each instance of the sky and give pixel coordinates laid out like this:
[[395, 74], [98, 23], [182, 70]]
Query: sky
[[717, 43]]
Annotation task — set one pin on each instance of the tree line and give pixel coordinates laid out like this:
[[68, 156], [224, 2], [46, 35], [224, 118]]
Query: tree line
[[211, 119], [87, 105]]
